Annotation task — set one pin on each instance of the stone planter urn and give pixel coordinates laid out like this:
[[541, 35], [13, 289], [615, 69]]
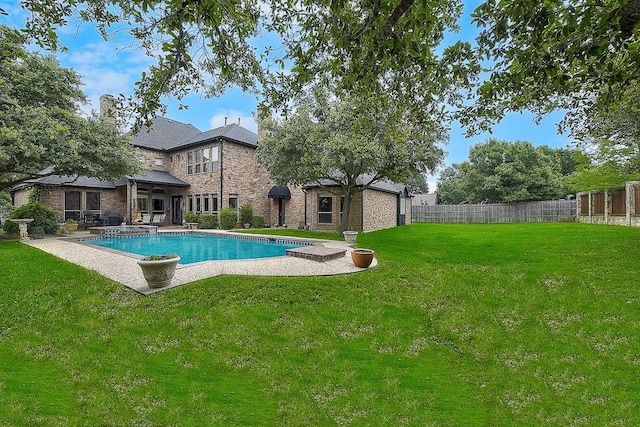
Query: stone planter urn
[[22, 226], [158, 270], [362, 257], [350, 236]]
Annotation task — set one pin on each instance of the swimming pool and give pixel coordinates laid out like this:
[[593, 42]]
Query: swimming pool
[[198, 247]]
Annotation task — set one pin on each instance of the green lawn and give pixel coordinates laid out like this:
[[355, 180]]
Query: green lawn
[[485, 325]]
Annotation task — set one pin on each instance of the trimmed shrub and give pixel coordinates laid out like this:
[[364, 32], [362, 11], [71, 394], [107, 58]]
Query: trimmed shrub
[[207, 221], [246, 214], [43, 217], [258, 221], [191, 217], [228, 218]]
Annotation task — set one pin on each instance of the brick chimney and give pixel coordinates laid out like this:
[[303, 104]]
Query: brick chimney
[[108, 108]]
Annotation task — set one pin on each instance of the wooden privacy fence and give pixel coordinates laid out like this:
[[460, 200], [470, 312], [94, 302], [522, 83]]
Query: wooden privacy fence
[[547, 211]]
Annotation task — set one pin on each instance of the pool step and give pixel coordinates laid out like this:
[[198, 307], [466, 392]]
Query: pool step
[[317, 253]]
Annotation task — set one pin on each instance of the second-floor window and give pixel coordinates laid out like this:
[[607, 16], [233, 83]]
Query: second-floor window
[[202, 160]]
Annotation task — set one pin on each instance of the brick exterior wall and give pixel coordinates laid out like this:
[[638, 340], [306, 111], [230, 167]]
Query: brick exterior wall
[[355, 220], [242, 176], [21, 197], [238, 175], [293, 210], [409, 205], [110, 200], [380, 210], [153, 159]]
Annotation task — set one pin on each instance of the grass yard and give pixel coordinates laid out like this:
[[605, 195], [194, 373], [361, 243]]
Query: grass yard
[[514, 324]]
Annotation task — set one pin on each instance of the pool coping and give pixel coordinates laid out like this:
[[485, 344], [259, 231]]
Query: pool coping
[[124, 269]]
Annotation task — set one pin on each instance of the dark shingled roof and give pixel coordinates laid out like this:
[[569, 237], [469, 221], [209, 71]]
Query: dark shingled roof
[[151, 176], [166, 135], [232, 132], [385, 185], [71, 181]]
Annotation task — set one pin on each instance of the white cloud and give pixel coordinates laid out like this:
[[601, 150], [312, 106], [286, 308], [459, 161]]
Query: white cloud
[[232, 116]]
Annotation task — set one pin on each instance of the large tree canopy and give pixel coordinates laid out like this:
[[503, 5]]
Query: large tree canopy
[[40, 126], [363, 46], [542, 56], [500, 171], [612, 145], [577, 55], [332, 142]]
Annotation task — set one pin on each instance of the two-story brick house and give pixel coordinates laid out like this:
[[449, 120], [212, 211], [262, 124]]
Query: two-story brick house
[[187, 170]]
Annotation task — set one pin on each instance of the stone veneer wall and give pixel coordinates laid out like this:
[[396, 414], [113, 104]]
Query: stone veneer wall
[[21, 197], [380, 210], [631, 218], [153, 159]]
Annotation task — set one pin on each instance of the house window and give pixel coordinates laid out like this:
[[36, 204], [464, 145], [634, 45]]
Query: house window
[[233, 202], [190, 162], [143, 200], [206, 203], [214, 159], [325, 209], [93, 202], [157, 200], [206, 154], [198, 203], [72, 205], [159, 161], [214, 203], [198, 156], [158, 204], [202, 161], [190, 203]]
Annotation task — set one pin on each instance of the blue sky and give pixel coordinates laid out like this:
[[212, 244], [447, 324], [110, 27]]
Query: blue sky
[[112, 67]]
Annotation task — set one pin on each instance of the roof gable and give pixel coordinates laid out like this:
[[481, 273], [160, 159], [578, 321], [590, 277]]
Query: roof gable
[[164, 134], [232, 132], [167, 135]]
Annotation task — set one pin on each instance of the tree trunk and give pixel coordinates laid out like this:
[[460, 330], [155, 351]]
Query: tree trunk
[[346, 209]]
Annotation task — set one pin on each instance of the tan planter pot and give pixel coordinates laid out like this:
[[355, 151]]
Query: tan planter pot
[[362, 257]]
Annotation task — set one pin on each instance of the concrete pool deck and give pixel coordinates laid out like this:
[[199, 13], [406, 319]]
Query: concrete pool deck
[[125, 269]]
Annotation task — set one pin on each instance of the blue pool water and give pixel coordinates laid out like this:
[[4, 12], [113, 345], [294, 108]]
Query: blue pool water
[[196, 247]]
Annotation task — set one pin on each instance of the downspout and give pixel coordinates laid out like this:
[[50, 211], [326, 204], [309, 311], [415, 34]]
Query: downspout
[[221, 178], [304, 190], [129, 201], [362, 209]]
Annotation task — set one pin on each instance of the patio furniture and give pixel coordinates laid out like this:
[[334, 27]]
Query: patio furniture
[[146, 219], [158, 219]]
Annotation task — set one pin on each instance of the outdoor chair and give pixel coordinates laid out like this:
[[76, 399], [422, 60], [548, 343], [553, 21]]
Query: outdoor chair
[[158, 219], [146, 219]]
